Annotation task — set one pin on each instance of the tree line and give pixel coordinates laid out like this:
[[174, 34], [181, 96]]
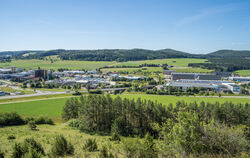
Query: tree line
[[97, 113], [183, 129], [109, 54], [224, 65]]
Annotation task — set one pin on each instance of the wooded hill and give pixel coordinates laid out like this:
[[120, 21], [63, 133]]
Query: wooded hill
[[122, 54]]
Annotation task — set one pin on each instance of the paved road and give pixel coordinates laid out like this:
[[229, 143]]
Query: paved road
[[40, 93]]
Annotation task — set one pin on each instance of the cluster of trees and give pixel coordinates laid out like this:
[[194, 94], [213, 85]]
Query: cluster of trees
[[11, 119], [38, 84], [5, 59], [224, 65], [184, 129], [97, 113], [139, 66]]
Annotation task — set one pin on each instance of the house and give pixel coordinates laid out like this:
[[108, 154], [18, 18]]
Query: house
[[233, 87], [148, 86], [240, 79], [178, 76], [5, 71], [2, 93], [168, 72], [222, 74], [17, 93], [41, 74], [185, 86], [208, 77]]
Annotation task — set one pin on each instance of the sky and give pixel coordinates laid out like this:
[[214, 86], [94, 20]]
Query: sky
[[193, 26]]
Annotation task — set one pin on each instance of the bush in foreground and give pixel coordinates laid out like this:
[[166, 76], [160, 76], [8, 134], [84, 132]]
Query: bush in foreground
[[32, 125], [90, 145], [1, 154], [10, 119], [29, 148], [43, 120], [104, 153], [61, 147]]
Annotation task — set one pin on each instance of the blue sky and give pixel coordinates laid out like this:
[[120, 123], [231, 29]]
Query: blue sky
[[194, 26]]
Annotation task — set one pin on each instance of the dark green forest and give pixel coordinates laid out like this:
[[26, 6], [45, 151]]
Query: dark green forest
[[184, 129], [123, 54], [224, 65]]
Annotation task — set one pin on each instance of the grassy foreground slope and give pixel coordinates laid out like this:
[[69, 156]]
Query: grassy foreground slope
[[46, 135], [53, 107]]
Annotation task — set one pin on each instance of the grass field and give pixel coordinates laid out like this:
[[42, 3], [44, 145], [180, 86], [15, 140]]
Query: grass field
[[191, 70], [53, 107], [46, 64], [11, 90], [92, 65], [182, 62], [22, 99], [131, 70], [156, 69], [243, 72]]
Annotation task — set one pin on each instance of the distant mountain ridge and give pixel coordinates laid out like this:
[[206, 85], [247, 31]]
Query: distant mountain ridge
[[123, 54], [230, 53]]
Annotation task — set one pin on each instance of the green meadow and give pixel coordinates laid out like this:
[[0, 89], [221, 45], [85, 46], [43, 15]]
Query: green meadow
[[243, 72], [53, 107], [191, 70], [92, 65], [131, 70], [179, 62], [46, 64]]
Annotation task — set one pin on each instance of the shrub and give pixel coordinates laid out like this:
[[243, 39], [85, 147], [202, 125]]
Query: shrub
[[32, 154], [76, 123], [61, 147], [11, 137], [28, 148], [10, 119], [90, 145], [43, 120], [28, 119], [32, 125], [115, 137], [147, 148], [220, 139], [104, 153], [77, 93], [1, 154], [130, 148], [96, 91]]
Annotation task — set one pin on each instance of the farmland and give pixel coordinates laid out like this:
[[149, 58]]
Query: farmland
[[133, 70], [53, 107], [92, 65], [243, 72], [177, 62], [46, 64]]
